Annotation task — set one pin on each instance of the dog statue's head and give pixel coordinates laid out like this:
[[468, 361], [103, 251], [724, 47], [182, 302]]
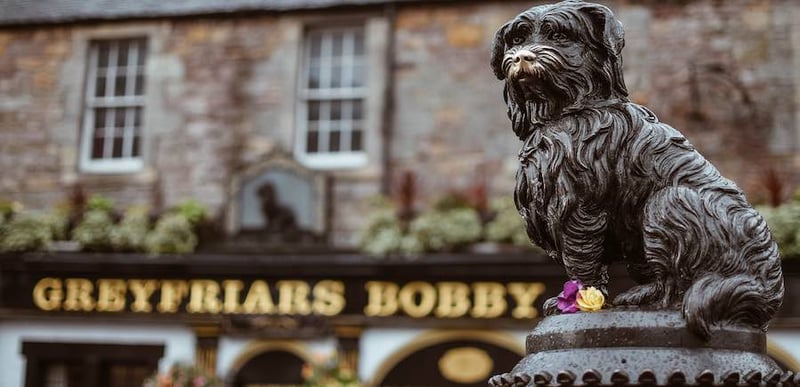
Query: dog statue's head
[[558, 59]]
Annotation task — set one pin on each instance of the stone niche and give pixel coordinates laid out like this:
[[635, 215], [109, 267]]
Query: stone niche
[[278, 202]]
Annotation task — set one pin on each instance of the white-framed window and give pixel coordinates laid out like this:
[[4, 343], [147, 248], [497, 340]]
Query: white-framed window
[[332, 94], [113, 106]]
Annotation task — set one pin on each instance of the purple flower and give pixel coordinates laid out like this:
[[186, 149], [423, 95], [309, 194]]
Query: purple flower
[[568, 298]]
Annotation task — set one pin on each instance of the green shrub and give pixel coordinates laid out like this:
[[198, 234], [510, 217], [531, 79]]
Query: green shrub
[[173, 234], [99, 202], [94, 230], [784, 222], [58, 223], [130, 233], [24, 233], [447, 230], [507, 225], [194, 211], [383, 233]]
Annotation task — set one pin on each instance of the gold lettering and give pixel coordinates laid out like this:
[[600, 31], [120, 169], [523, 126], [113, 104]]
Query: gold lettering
[[142, 290], [381, 299], [525, 294], [293, 297], [204, 297], [259, 299], [79, 295], [453, 299], [172, 294], [48, 294], [417, 299], [232, 290], [111, 295], [490, 299], [328, 298]]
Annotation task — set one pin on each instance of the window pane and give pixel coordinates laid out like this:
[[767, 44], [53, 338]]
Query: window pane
[[97, 146], [336, 75], [358, 43], [142, 52], [102, 54], [355, 139], [139, 89], [359, 75], [338, 43], [357, 112], [119, 85], [312, 145], [122, 52], [313, 76], [99, 117], [313, 110], [137, 117], [336, 110], [116, 150], [315, 41], [119, 117], [335, 141], [137, 149], [100, 86]]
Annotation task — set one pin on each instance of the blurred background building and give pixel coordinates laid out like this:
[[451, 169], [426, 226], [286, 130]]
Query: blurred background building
[[197, 182]]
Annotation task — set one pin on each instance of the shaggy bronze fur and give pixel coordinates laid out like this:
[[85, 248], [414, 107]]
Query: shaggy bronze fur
[[601, 180]]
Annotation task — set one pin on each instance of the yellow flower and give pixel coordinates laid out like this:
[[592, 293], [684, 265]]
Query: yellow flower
[[590, 299]]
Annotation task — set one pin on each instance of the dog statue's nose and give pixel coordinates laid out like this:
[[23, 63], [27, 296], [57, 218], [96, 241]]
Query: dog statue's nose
[[524, 55]]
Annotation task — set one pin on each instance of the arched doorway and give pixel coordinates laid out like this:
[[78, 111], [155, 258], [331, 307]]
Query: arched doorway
[[269, 364], [450, 359], [781, 356]]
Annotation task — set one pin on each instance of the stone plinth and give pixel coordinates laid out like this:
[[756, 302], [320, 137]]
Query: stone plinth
[[621, 347]]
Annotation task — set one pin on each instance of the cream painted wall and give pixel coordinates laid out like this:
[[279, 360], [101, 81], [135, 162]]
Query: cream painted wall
[[178, 341]]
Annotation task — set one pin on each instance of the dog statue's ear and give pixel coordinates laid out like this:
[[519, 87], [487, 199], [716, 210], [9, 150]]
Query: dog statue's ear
[[498, 51], [605, 23]]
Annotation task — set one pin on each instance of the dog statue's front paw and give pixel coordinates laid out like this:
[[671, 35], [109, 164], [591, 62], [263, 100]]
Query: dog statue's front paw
[[550, 307], [510, 380]]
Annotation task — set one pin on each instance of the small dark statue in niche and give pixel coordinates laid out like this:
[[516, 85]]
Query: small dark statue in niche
[[278, 218], [601, 180]]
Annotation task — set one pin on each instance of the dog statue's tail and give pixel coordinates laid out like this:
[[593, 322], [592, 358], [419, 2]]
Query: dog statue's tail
[[738, 300], [714, 238], [751, 297]]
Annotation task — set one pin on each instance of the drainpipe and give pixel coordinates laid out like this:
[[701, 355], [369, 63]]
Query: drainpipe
[[390, 11]]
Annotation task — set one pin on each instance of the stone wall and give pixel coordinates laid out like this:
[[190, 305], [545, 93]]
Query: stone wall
[[736, 59], [221, 97]]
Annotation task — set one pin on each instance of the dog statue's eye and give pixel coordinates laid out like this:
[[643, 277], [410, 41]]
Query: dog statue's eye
[[558, 36], [517, 40]]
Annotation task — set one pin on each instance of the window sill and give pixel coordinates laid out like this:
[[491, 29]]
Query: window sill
[[333, 161], [112, 167]]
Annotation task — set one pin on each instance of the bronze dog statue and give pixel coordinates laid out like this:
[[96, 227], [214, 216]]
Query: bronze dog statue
[[601, 180]]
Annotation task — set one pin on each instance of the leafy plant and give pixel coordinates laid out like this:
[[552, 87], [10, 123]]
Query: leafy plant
[[94, 230], [9, 207], [182, 375], [507, 225], [327, 372], [58, 223], [194, 211], [173, 233], [99, 202], [24, 233], [383, 233], [446, 229], [784, 222], [131, 232]]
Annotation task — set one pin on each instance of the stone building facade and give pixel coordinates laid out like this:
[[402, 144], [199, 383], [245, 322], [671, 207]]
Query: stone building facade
[[222, 90]]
